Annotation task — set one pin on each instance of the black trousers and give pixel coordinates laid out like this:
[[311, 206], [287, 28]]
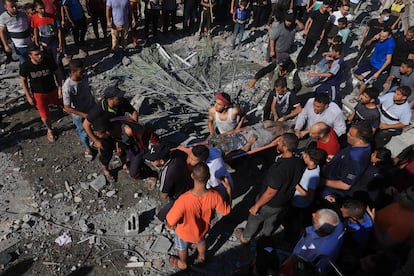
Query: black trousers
[[306, 50], [79, 31]]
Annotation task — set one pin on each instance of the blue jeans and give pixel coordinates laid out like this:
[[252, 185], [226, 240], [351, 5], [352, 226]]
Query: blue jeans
[[21, 53], [238, 29], [77, 121]]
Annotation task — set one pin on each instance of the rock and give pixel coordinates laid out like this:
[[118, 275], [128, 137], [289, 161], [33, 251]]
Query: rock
[[161, 245], [110, 193], [158, 229], [58, 196], [77, 199], [84, 227], [98, 183], [84, 185], [5, 258], [126, 61]]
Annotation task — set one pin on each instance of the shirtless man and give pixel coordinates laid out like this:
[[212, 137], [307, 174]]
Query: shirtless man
[[223, 116]]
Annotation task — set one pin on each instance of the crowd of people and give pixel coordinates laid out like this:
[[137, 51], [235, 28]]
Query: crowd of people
[[343, 201]]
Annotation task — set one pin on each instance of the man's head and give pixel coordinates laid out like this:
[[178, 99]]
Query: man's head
[[319, 130], [360, 134], [223, 102], [320, 103], [381, 157], [39, 7], [370, 95], [77, 70], [281, 86], [385, 15], [353, 209], [345, 9], [288, 142], [114, 96], [289, 19], [10, 6], [342, 23], [201, 173], [407, 67], [198, 154], [409, 36], [35, 54], [325, 6], [401, 94], [314, 157], [158, 155], [325, 221], [336, 50], [384, 34]]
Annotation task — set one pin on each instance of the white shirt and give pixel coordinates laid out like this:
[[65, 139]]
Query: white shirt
[[337, 14], [331, 116]]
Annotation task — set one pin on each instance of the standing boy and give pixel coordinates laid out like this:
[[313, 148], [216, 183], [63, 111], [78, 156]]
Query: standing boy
[[240, 18], [41, 73], [191, 215]]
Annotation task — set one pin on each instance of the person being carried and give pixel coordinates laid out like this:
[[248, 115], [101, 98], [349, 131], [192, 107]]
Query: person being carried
[[191, 215], [250, 137], [223, 116]]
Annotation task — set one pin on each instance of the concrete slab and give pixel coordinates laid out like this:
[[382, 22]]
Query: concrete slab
[[98, 183], [132, 225], [161, 245]]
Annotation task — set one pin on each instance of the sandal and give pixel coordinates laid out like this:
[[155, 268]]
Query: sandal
[[239, 234], [174, 261], [51, 136], [88, 156]]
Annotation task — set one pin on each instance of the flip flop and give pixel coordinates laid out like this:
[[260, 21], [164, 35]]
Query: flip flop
[[50, 137], [173, 260], [239, 234]]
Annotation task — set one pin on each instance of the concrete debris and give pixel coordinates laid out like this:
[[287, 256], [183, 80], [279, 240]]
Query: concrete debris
[[110, 193], [77, 199], [58, 196], [84, 185], [98, 183], [83, 226], [161, 245], [132, 225], [63, 239], [138, 264]]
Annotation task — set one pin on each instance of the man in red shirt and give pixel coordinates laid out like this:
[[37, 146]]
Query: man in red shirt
[[326, 139]]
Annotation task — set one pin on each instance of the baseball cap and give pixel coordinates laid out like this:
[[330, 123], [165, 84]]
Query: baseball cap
[[157, 152], [112, 92], [290, 17]]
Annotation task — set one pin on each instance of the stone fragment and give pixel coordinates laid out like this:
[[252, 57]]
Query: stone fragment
[[84, 227], [110, 193], [161, 245], [132, 225], [77, 199], [58, 196], [158, 229], [84, 185], [98, 183]]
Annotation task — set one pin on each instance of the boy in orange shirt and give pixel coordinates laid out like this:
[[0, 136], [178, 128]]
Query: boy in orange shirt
[[191, 215]]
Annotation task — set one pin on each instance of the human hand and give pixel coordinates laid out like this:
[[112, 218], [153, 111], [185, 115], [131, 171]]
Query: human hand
[[254, 210], [97, 144], [60, 95], [109, 24], [330, 198], [375, 76], [30, 100], [7, 49], [386, 85]]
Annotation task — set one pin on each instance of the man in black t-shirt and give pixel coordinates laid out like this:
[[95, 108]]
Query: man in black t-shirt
[[42, 85], [174, 178], [366, 109], [101, 130], [279, 187], [314, 31]]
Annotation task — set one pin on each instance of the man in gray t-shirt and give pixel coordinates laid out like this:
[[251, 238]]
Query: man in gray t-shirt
[[282, 35], [250, 137], [406, 77], [78, 100]]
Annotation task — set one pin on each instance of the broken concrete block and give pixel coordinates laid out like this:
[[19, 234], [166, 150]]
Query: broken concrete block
[[132, 225], [58, 196], [161, 245], [77, 199], [84, 227], [84, 185], [158, 229], [110, 193], [98, 183]]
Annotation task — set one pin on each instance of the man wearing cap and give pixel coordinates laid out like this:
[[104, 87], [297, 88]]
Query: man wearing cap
[[223, 117], [174, 176], [111, 106], [281, 36]]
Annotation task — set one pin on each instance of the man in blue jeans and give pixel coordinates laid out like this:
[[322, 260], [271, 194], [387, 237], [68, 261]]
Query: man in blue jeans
[[16, 24], [78, 100], [379, 60]]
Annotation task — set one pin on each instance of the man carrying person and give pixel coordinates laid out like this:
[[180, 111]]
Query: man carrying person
[[191, 215], [326, 139], [279, 187], [223, 117], [17, 25], [99, 119], [78, 101], [320, 109], [174, 177], [366, 109], [41, 75], [395, 115]]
